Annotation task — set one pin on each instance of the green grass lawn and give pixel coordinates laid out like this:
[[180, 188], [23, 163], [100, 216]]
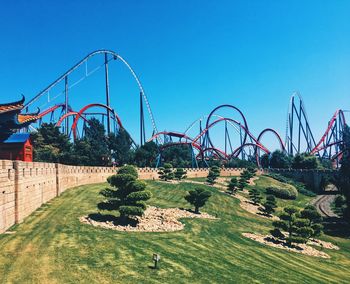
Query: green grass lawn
[[52, 246]]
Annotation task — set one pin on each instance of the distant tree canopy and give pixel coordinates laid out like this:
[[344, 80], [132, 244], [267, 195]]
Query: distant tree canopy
[[304, 161], [238, 163], [94, 149], [179, 156], [279, 159], [120, 147], [50, 145], [145, 156]]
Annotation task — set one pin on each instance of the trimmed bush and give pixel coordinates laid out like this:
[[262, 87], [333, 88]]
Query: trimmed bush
[[283, 193], [298, 185], [127, 195], [130, 210], [198, 197], [129, 170]]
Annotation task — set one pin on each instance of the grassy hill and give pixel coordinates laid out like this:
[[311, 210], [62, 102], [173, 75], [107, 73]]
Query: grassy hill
[[52, 246]]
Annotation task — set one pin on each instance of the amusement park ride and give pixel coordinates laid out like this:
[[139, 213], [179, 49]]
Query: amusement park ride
[[204, 140]]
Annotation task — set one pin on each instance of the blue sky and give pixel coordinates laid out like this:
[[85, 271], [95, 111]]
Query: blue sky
[[190, 56]]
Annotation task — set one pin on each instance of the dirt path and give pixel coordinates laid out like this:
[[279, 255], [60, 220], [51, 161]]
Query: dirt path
[[323, 202]]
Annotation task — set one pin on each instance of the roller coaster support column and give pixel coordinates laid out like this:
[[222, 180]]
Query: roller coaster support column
[[142, 123], [107, 95], [66, 130], [193, 157]]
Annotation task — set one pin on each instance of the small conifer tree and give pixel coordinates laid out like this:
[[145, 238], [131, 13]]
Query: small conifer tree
[[255, 196], [269, 205], [180, 174], [198, 197], [214, 173], [166, 173], [233, 185], [127, 195]]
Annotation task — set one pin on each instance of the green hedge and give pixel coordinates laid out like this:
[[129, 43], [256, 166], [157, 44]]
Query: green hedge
[[298, 185], [283, 193]]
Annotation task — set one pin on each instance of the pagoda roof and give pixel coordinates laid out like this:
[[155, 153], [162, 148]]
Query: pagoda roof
[[16, 138], [28, 117], [14, 106]]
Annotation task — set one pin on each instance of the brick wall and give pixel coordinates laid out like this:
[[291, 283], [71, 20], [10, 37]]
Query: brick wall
[[7, 195], [24, 187]]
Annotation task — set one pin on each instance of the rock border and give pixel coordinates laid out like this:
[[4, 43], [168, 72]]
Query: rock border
[[305, 249], [154, 220]]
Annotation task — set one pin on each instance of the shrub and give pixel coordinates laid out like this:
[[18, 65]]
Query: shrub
[[232, 186], [298, 229], [128, 169], [269, 205], [127, 195], [166, 172], [198, 197], [255, 196], [214, 173], [298, 185], [242, 183], [314, 220], [300, 226], [339, 200], [283, 193], [180, 174]]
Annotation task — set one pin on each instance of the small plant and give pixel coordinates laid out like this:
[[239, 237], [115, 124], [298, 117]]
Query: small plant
[[233, 185], [214, 173], [198, 197], [269, 205], [255, 196], [166, 173], [180, 174]]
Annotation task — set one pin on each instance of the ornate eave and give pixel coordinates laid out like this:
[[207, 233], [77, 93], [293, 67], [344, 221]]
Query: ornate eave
[[15, 107]]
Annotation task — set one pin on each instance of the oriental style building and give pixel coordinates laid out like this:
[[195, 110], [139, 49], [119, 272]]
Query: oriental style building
[[15, 145]]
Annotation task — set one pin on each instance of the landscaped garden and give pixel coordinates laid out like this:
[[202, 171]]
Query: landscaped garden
[[54, 246]]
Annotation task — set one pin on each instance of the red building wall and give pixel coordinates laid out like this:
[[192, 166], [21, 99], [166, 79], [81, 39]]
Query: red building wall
[[17, 151]]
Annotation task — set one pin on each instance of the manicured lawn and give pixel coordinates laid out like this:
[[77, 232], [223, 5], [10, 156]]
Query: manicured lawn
[[52, 246]]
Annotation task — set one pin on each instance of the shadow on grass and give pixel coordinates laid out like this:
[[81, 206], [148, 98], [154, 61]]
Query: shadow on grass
[[283, 243], [116, 221], [336, 227]]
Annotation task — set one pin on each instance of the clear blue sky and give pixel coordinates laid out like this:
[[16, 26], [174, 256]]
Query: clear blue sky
[[190, 55]]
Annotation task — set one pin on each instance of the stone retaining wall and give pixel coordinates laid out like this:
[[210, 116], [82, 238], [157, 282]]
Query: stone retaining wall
[[24, 187]]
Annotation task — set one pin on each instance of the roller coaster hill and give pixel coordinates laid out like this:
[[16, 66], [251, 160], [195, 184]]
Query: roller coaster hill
[[223, 134]]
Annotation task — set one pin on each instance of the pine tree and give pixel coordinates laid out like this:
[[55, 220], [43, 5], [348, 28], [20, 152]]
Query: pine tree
[[269, 205], [242, 183], [310, 213], [95, 136], [166, 173], [233, 185], [298, 229], [247, 175], [214, 173], [198, 197], [127, 195], [255, 196], [180, 174], [120, 146]]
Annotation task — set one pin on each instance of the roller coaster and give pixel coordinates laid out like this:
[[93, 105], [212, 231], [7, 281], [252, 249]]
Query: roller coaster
[[223, 134]]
